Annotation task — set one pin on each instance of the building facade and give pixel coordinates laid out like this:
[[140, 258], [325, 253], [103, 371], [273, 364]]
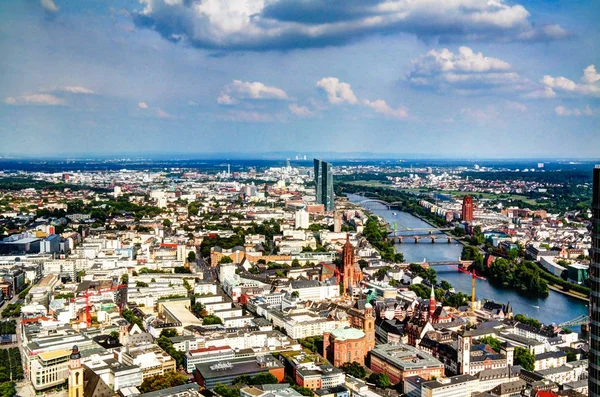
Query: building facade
[[345, 345], [594, 353], [324, 184], [467, 209]]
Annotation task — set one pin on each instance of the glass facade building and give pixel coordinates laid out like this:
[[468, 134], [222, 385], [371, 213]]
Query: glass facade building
[[594, 353], [324, 184]]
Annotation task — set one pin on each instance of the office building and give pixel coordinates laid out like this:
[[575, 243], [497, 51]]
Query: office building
[[594, 353], [467, 209], [324, 184]]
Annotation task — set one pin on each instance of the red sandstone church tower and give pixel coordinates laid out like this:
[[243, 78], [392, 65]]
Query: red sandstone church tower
[[350, 275], [467, 209], [432, 304]]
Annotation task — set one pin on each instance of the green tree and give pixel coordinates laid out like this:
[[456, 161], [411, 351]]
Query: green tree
[[191, 257], [225, 259], [167, 223], [305, 391], [492, 342], [354, 369], [528, 320], [168, 332], [211, 320], [524, 358], [159, 382], [225, 391], [380, 380], [445, 285], [266, 378], [296, 263]]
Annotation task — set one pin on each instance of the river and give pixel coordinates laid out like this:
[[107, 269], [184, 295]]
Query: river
[[555, 308]]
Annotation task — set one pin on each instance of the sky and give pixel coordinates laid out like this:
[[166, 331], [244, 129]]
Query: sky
[[431, 78]]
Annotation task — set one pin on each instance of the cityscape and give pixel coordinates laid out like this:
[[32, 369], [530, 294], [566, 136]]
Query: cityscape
[[268, 198]]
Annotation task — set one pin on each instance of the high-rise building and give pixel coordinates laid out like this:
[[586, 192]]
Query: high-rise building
[[324, 184], [467, 209], [594, 353]]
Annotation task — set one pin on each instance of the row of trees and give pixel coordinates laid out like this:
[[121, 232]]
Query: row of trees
[[358, 371], [8, 327], [165, 343], [377, 236], [12, 310], [11, 368]]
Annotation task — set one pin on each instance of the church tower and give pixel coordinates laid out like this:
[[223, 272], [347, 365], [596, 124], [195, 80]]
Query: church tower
[[348, 265], [369, 326], [75, 374], [432, 304]]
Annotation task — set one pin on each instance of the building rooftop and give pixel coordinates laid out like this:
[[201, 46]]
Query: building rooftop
[[347, 333], [445, 382], [405, 356]]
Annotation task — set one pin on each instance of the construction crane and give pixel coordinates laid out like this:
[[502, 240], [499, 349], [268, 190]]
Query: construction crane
[[88, 293]]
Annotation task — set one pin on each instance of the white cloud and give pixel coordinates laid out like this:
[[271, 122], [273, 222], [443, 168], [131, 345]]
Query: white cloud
[[464, 72], [380, 106], [49, 5], [590, 75], [301, 111], [337, 92], [544, 33], [566, 112], [542, 93], [77, 90], [284, 24], [225, 99], [35, 99], [589, 87], [163, 115], [142, 105], [511, 105], [239, 90], [248, 117], [192, 103], [480, 115]]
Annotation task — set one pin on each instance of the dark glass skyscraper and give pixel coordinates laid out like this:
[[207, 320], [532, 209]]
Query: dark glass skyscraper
[[594, 354], [324, 184]]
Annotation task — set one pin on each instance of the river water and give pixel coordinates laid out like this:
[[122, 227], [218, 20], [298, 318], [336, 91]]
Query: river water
[[555, 308]]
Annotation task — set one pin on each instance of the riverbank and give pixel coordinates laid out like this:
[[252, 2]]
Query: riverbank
[[568, 293]]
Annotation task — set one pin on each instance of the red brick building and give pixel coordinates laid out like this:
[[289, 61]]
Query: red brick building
[[467, 209], [345, 345]]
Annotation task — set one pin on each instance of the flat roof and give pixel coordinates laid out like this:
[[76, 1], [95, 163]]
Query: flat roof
[[182, 314], [405, 356], [54, 354], [244, 366]]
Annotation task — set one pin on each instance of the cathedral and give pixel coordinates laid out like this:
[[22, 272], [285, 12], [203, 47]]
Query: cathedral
[[350, 274]]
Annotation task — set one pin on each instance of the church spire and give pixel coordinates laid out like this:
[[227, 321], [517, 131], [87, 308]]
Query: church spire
[[432, 303]]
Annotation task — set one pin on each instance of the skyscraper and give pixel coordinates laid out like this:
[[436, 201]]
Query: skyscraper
[[467, 209], [594, 353], [324, 184]]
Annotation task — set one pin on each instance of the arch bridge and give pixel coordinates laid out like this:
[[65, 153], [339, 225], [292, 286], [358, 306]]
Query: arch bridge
[[375, 200]]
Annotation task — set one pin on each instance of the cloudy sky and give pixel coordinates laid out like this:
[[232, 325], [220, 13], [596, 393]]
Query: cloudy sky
[[452, 78]]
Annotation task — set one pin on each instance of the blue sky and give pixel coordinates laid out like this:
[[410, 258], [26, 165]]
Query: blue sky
[[459, 78]]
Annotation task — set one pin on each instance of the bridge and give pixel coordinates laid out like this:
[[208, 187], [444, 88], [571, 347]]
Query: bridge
[[418, 238], [376, 200], [581, 320]]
